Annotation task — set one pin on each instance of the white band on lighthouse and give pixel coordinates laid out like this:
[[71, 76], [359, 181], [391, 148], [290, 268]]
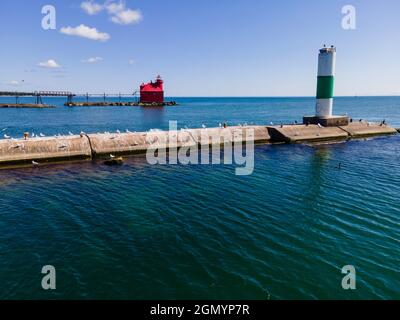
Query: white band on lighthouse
[[325, 84]]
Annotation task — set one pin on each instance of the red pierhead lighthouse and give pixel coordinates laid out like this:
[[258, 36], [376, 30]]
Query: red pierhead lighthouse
[[152, 92]]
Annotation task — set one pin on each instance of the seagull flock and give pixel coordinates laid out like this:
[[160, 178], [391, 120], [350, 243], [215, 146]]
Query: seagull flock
[[41, 135]]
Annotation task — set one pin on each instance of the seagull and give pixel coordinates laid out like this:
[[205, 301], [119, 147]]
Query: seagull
[[70, 133], [203, 126], [42, 135], [35, 163], [112, 156], [6, 136], [220, 125], [271, 123], [33, 134], [127, 131], [118, 131], [319, 125]]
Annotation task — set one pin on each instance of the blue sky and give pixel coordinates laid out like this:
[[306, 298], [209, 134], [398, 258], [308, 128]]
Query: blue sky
[[201, 48]]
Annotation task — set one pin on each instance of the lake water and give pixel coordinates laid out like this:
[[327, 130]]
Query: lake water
[[141, 231]]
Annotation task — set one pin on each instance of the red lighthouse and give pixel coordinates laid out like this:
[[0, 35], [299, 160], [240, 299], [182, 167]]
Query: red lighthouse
[[152, 92]]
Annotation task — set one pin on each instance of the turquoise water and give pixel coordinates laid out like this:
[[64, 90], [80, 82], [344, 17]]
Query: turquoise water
[[172, 231]]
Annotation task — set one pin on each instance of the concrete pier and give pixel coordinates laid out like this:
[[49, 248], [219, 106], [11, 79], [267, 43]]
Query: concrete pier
[[49, 149], [36, 151]]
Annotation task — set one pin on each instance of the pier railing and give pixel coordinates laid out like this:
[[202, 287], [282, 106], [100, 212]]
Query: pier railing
[[69, 95]]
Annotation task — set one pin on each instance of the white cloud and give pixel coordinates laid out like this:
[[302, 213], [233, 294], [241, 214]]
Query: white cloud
[[91, 7], [117, 11], [127, 16], [86, 32], [93, 60], [114, 8], [14, 83], [51, 64]]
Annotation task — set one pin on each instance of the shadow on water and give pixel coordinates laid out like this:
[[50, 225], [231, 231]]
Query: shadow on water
[[152, 116], [318, 165]]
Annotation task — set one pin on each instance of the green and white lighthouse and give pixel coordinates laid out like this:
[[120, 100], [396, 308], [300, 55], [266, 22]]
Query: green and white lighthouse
[[325, 83]]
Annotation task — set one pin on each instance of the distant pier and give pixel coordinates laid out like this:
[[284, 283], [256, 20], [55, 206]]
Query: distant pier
[[119, 104], [101, 100]]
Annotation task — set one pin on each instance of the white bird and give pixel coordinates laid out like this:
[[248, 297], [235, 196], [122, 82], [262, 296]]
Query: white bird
[[127, 131], [220, 125], [70, 133], [33, 134], [112, 156], [118, 131], [6, 136], [35, 163], [319, 125], [203, 126], [42, 135], [271, 123]]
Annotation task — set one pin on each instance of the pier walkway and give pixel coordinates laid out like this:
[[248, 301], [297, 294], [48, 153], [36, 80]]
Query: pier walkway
[[39, 150]]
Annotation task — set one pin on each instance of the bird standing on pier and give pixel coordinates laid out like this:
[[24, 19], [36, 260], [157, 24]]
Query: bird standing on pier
[[6, 136], [42, 135]]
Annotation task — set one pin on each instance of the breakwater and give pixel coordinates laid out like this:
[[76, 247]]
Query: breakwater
[[35, 151], [25, 105], [118, 104]]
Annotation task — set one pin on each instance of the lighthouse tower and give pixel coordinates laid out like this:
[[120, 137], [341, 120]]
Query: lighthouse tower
[[152, 92], [325, 86], [325, 81]]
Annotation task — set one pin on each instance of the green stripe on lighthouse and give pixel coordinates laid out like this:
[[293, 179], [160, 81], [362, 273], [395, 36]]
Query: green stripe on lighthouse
[[325, 87]]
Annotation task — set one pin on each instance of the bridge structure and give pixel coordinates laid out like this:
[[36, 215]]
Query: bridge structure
[[38, 95], [69, 95]]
